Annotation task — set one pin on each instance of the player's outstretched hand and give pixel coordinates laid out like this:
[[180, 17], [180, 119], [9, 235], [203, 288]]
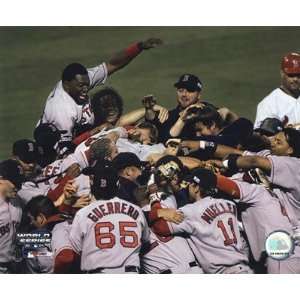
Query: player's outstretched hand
[[216, 166], [189, 112], [170, 215], [150, 43], [148, 101], [82, 201], [163, 114], [173, 146], [70, 189]]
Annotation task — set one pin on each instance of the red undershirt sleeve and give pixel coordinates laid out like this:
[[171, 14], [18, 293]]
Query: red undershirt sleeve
[[228, 186], [65, 260]]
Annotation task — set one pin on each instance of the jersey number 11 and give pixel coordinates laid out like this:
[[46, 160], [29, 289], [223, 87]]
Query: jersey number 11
[[227, 240]]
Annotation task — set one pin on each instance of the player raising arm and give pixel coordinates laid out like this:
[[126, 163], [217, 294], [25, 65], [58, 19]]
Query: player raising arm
[[68, 105]]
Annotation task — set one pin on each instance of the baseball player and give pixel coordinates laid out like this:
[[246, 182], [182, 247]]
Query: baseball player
[[107, 106], [65, 260], [68, 105], [109, 232], [44, 217], [11, 177], [47, 137], [283, 163], [189, 89], [137, 140], [168, 255], [27, 154], [55, 176], [265, 213], [212, 226], [283, 102], [129, 169]]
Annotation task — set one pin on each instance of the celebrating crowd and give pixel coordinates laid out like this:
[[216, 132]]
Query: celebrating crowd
[[194, 189]]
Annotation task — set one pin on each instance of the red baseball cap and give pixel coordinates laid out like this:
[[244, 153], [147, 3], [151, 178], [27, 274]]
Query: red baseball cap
[[290, 63]]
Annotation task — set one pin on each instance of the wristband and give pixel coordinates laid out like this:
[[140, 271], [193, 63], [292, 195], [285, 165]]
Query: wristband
[[232, 162], [154, 197], [208, 146], [202, 145], [133, 50], [225, 163]]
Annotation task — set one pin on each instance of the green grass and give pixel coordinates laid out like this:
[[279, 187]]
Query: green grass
[[238, 66]]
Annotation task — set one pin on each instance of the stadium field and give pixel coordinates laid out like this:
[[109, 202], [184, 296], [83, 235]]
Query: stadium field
[[238, 66]]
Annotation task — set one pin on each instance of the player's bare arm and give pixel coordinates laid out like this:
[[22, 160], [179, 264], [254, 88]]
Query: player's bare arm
[[170, 215], [228, 115], [132, 117], [248, 162], [219, 151], [121, 59], [184, 116]]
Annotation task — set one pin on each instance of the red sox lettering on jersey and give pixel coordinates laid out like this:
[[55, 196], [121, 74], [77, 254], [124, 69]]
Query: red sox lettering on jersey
[[10, 218]]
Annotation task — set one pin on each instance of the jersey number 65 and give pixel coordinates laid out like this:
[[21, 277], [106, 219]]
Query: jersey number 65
[[106, 239]]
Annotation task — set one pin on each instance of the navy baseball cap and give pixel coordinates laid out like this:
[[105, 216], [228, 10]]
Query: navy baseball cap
[[205, 178], [11, 170], [190, 82], [105, 179], [126, 159], [47, 134], [270, 127], [26, 150]]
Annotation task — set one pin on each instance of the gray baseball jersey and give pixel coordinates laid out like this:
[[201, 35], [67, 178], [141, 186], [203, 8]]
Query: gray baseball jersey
[[109, 234], [60, 237], [213, 228], [285, 173], [10, 218], [168, 253], [59, 241], [39, 264], [30, 189], [81, 153], [61, 109], [140, 150], [265, 214]]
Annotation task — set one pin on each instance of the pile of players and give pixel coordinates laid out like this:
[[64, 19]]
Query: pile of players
[[195, 189]]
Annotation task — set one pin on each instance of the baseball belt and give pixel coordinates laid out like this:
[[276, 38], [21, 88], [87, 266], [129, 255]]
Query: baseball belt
[[131, 269], [169, 271]]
